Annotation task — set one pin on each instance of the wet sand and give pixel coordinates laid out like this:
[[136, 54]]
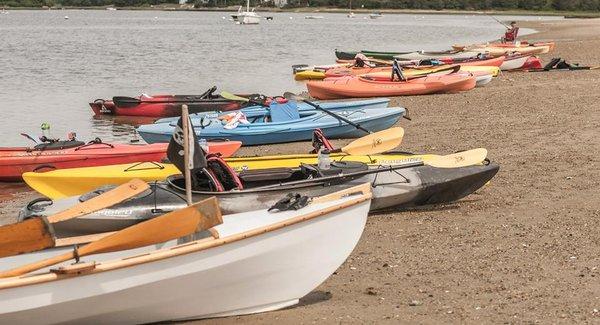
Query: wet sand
[[523, 249]]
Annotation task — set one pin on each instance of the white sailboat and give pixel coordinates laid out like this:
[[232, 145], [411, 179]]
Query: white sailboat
[[246, 17]]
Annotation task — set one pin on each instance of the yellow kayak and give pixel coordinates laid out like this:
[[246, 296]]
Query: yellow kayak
[[309, 75], [75, 181]]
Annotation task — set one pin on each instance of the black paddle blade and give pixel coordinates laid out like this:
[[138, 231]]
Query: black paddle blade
[[126, 102]]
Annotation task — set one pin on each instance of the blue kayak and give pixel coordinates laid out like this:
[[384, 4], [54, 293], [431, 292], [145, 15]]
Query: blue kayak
[[347, 104], [279, 125]]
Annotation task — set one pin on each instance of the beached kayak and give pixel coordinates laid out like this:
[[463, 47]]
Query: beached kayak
[[348, 87], [521, 44], [15, 161], [76, 181], [309, 75], [454, 55], [529, 50], [276, 126], [399, 186], [412, 55], [163, 105], [407, 71], [262, 110], [514, 62]]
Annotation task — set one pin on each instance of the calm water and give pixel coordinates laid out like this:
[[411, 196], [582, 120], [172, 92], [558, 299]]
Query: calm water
[[52, 67]]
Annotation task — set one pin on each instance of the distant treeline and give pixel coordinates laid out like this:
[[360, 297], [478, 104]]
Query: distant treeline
[[82, 3], [565, 5]]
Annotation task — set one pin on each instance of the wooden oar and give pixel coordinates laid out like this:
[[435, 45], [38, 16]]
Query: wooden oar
[[37, 233], [459, 159], [375, 143], [200, 216], [293, 96]]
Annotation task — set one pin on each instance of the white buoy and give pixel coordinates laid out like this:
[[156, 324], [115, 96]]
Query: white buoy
[[291, 17], [155, 17], [223, 18], [66, 17]]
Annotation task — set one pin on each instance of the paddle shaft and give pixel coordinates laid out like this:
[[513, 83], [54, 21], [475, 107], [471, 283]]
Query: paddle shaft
[[341, 118], [176, 224], [185, 121], [494, 18]]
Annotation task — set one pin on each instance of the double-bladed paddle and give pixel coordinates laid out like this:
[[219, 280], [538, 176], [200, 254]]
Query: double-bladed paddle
[[293, 96], [200, 216], [37, 233], [374, 143], [459, 159], [371, 144]]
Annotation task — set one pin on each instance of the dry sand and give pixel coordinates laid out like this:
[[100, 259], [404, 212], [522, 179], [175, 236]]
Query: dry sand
[[523, 249]]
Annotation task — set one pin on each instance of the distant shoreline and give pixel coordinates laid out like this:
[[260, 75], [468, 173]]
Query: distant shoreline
[[569, 14]]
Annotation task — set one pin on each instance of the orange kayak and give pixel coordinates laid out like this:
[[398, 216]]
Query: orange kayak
[[349, 86]]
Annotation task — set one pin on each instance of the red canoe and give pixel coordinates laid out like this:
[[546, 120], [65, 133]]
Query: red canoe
[[71, 154]]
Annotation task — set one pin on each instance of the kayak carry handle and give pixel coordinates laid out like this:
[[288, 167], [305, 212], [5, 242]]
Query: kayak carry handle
[[36, 169]]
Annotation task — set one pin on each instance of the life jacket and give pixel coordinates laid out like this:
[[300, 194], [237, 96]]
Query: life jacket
[[511, 34], [397, 71], [320, 141], [223, 173]]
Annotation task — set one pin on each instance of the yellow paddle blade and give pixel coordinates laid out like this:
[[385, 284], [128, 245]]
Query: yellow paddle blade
[[102, 201], [375, 143], [176, 224], [230, 96], [459, 159]]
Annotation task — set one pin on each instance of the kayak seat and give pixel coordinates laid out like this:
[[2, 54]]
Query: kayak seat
[[268, 174], [282, 112], [223, 173], [58, 145]]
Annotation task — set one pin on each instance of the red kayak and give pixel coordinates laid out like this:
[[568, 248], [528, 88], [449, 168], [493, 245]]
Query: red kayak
[[71, 154], [163, 105]]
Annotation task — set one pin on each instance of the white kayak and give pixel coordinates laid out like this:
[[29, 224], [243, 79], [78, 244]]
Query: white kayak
[[514, 62], [261, 261]]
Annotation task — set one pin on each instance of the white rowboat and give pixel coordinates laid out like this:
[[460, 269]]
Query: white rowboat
[[261, 261]]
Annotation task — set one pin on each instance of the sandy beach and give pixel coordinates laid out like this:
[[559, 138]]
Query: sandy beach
[[524, 249]]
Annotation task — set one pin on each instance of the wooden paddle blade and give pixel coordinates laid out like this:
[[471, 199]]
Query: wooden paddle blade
[[459, 159], [375, 143], [230, 96], [105, 200], [26, 236], [176, 224]]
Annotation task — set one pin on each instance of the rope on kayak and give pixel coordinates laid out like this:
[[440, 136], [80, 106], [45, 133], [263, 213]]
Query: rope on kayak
[[390, 169]]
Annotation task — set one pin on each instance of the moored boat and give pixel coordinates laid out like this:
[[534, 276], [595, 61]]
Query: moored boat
[[255, 262]]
